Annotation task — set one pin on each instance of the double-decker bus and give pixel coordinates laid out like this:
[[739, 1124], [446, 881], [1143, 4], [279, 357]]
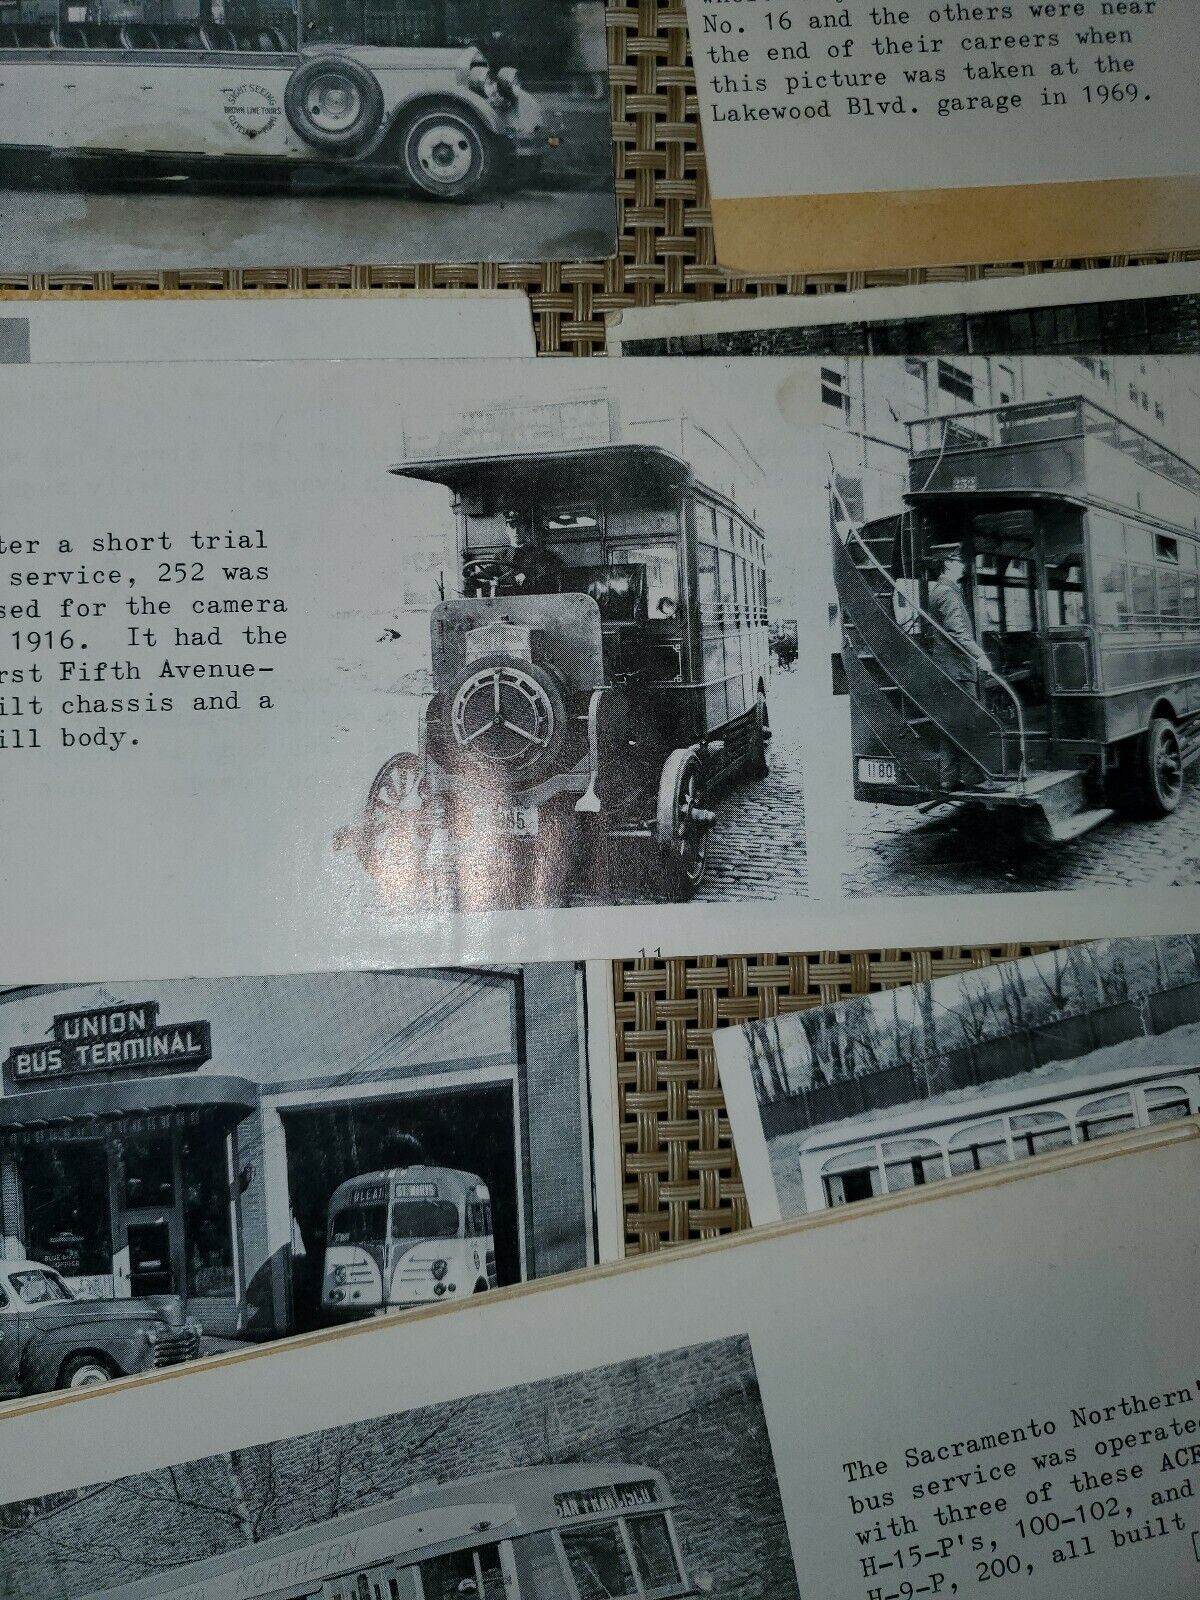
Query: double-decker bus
[[245, 88], [1081, 542], [556, 1532], [407, 1236]]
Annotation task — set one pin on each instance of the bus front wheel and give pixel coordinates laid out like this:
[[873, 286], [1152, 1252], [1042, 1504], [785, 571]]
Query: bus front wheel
[[446, 153], [1158, 770]]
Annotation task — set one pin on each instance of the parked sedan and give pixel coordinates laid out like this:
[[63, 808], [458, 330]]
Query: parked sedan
[[50, 1339]]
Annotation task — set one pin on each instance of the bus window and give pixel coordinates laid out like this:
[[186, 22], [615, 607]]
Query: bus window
[[851, 1175], [424, 1219], [1143, 595], [1064, 592], [358, 1225], [976, 1148], [662, 575], [654, 1553], [1189, 593], [599, 1563], [1035, 1132], [1166, 1102], [706, 579], [1101, 1118], [728, 584], [1112, 592], [450, 1577], [1168, 586], [908, 1163]]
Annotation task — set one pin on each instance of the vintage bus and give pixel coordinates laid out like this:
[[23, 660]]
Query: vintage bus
[[1081, 539], [949, 1134], [604, 671], [247, 88], [408, 1236], [596, 1531]]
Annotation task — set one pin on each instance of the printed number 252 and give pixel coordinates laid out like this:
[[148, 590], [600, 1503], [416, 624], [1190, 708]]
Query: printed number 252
[[181, 572]]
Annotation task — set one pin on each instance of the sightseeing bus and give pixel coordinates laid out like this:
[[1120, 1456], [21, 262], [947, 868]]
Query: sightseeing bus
[[950, 1134], [557, 1532], [1081, 541], [244, 88], [604, 671], [407, 1236]]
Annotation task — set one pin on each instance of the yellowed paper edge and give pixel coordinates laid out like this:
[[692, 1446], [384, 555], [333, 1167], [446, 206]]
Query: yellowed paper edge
[[948, 227]]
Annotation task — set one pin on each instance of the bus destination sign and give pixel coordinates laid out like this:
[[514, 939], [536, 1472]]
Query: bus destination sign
[[608, 1497], [108, 1039]]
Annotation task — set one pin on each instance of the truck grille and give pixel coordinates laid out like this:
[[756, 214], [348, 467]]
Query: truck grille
[[175, 1345]]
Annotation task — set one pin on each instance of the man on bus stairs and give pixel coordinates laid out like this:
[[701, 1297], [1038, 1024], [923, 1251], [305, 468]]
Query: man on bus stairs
[[963, 660]]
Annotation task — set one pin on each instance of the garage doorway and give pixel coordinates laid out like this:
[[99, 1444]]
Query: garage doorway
[[471, 1129]]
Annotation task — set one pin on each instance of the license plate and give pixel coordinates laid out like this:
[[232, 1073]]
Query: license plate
[[872, 771], [519, 821]]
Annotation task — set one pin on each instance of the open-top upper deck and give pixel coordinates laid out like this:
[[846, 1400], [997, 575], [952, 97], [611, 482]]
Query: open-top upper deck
[[1069, 449]]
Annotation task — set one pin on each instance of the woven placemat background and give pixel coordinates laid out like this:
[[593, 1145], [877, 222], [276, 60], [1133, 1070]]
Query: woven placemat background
[[665, 244], [679, 1167], [681, 1177]]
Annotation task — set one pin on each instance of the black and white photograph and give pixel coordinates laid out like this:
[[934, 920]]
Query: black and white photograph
[[151, 134], [188, 1167], [1143, 310], [1015, 562], [601, 717], [888, 1092], [461, 661], [649, 1479]]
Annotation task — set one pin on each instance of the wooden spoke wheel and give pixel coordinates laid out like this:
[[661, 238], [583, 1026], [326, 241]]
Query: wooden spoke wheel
[[681, 824]]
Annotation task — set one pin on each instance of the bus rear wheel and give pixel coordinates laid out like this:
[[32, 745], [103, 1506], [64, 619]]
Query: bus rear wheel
[[758, 761], [681, 825], [1158, 770]]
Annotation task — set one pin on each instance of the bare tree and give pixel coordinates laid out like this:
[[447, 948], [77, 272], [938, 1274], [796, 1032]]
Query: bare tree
[[976, 1011], [1054, 980], [1013, 995]]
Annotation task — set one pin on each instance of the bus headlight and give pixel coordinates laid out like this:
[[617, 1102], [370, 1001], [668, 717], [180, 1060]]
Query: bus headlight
[[336, 1295], [439, 1268]]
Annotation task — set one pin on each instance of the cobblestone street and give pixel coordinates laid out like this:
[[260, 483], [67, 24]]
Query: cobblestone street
[[893, 850], [756, 849]]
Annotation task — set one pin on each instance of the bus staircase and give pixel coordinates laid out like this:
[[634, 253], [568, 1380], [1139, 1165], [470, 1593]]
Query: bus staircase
[[911, 705]]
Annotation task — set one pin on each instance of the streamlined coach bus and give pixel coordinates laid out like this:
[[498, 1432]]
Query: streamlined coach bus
[[245, 88], [571, 1532], [408, 1236], [1080, 540]]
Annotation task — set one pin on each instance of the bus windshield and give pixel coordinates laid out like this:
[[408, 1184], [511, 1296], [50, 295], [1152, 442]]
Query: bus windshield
[[358, 1224], [425, 1219]]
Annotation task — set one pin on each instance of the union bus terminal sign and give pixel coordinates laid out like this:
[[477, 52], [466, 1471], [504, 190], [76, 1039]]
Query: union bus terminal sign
[[111, 1039]]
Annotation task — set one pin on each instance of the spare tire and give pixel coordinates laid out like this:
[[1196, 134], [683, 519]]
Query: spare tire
[[506, 720], [334, 104]]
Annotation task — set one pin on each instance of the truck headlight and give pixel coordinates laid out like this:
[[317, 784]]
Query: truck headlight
[[506, 83], [439, 1268]]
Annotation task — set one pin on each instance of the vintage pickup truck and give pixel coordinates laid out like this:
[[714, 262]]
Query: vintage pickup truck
[[49, 1339]]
